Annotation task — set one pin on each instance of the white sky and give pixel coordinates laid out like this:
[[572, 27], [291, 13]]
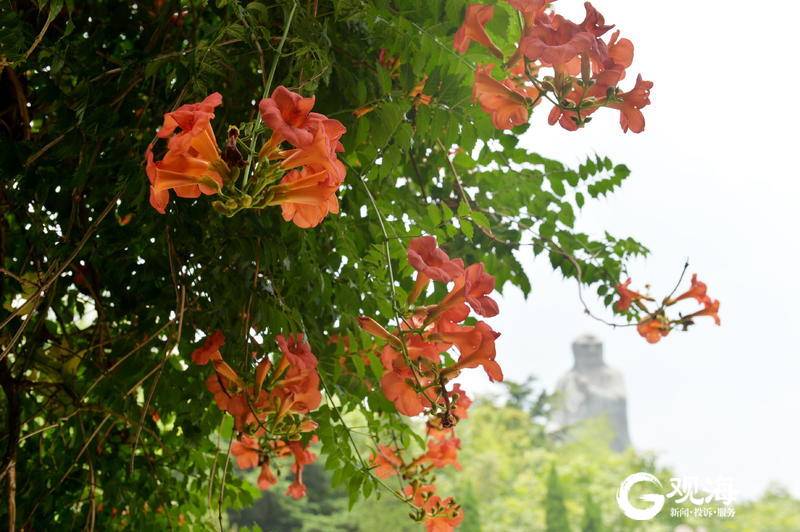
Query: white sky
[[715, 179]]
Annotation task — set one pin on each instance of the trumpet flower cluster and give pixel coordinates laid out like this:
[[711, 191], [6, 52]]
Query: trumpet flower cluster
[[653, 325], [271, 414], [570, 64], [297, 168], [428, 348], [436, 513], [413, 355]]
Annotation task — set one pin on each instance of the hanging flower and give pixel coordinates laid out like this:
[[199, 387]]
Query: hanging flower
[[474, 29], [209, 351], [653, 329], [192, 164], [505, 101], [626, 296]]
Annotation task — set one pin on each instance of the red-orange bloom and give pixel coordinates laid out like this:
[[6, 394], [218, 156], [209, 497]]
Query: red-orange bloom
[[297, 490], [298, 391], [441, 515], [192, 164], [305, 197], [633, 101], [653, 329], [297, 351], [319, 153], [302, 457], [626, 296], [481, 354], [505, 101], [447, 519], [442, 453], [193, 120], [696, 291], [616, 55], [246, 451], [555, 40], [460, 402], [209, 350], [529, 9], [711, 309], [188, 175], [289, 114], [431, 261], [398, 384], [594, 22], [474, 29], [267, 478], [386, 462], [473, 288]]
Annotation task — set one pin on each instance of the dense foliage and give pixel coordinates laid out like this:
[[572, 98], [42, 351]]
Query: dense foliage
[[107, 291]]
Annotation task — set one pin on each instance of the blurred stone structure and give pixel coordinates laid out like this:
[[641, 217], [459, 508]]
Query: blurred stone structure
[[592, 389]]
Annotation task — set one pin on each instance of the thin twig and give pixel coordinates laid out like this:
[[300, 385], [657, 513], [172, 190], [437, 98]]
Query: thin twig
[[267, 87], [153, 387]]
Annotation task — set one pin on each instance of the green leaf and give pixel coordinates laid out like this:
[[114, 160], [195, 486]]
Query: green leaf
[[467, 228], [434, 214]]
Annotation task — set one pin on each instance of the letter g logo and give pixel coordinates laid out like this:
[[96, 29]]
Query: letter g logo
[[630, 511]]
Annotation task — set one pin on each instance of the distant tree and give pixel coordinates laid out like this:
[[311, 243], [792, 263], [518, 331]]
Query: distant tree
[[592, 516], [555, 509]]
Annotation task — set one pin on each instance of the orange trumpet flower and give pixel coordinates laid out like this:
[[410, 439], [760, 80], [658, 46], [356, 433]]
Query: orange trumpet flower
[[504, 100], [474, 29]]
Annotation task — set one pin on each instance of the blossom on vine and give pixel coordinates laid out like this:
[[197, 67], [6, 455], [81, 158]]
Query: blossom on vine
[[472, 288], [385, 461], [442, 453], [529, 8], [302, 457], [192, 164], [297, 351], [431, 261], [554, 40], [710, 308], [616, 55], [633, 101], [460, 402], [271, 420], [209, 351], [697, 291], [653, 329], [440, 515], [506, 101], [320, 153], [626, 296], [297, 490], [305, 197], [289, 116], [398, 384], [246, 451], [417, 94], [474, 29], [587, 70], [482, 353], [298, 391], [266, 478]]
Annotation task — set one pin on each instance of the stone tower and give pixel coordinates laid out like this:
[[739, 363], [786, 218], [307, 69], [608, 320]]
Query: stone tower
[[591, 389]]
